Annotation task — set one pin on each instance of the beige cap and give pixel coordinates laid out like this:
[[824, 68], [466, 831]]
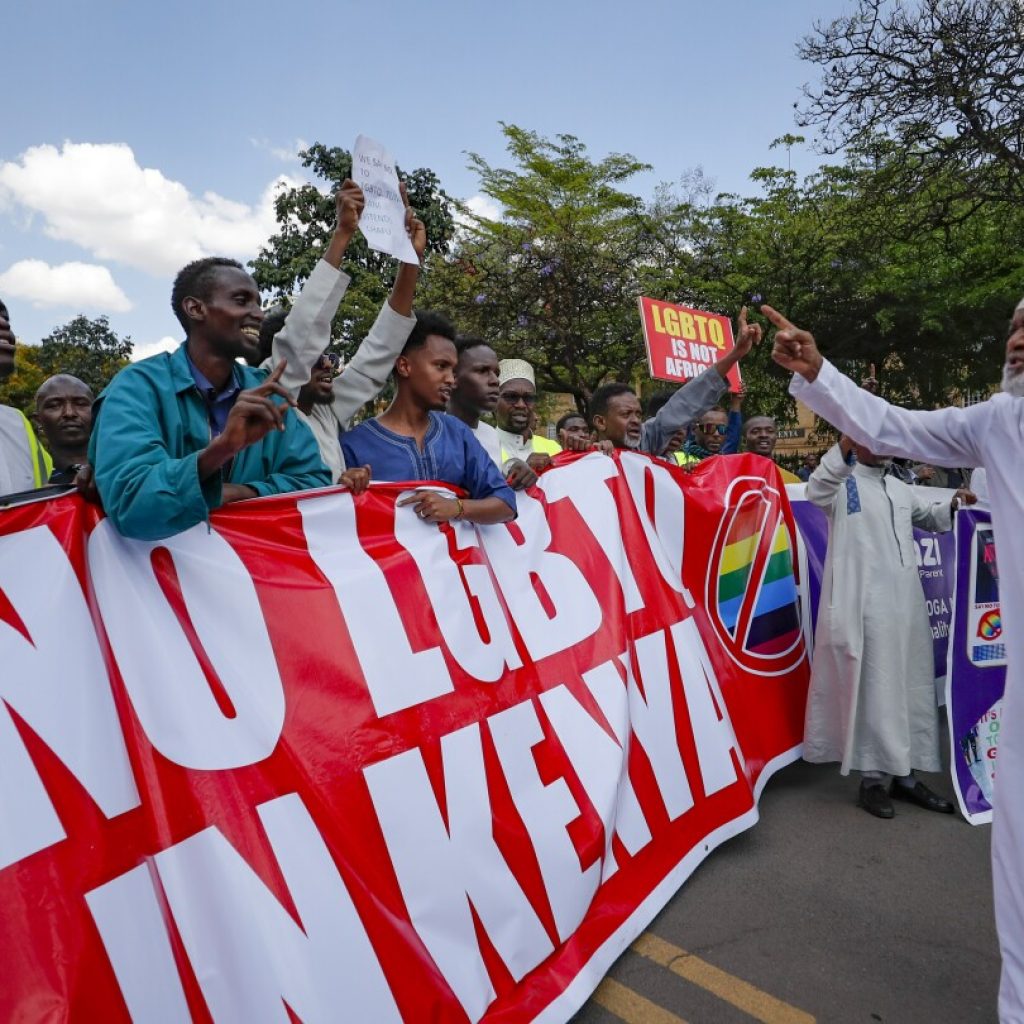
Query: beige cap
[[515, 369]]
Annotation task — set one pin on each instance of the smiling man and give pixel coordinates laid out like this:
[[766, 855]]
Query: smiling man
[[413, 439], [987, 434], [64, 415], [182, 433], [760, 435]]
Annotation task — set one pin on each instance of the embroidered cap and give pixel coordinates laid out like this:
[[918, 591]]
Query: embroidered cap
[[515, 369]]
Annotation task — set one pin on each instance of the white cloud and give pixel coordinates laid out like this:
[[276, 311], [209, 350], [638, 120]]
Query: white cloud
[[97, 196], [286, 154], [151, 348], [483, 206], [80, 285]]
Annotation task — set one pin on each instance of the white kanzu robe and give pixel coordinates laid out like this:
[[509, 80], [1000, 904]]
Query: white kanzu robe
[[990, 434], [871, 703]]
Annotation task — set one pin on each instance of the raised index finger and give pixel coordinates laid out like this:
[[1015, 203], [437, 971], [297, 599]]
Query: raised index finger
[[777, 318]]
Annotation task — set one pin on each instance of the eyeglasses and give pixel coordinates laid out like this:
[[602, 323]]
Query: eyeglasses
[[515, 397], [713, 428], [329, 361]]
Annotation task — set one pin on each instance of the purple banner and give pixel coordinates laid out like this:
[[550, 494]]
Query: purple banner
[[976, 674]]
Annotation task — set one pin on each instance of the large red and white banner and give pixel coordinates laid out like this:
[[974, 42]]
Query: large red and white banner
[[321, 761]]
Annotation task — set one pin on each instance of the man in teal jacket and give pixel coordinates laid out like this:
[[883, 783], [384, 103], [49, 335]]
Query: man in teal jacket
[[182, 433]]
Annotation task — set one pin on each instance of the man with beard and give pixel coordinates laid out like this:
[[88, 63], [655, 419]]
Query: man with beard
[[476, 392], [988, 434], [517, 395], [64, 415], [760, 435], [23, 462], [616, 415], [184, 432], [414, 440]]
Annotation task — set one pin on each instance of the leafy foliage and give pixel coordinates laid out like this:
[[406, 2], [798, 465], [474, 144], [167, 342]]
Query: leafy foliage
[[20, 388], [87, 349], [305, 218], [938, 85], [556, 279]]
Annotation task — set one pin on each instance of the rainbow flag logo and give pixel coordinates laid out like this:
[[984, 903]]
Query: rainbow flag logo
[[753, 597], [990, 625]]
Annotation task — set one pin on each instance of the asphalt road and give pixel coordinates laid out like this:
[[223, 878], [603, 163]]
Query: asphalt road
[[821, 912]]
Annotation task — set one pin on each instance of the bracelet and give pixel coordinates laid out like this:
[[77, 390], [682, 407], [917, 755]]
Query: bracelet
[[462, 510]]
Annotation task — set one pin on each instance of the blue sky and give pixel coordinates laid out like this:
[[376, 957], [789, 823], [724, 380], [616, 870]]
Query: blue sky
[[139, 136]]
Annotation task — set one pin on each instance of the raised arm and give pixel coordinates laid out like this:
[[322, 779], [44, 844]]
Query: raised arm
[[307, 329], [698, 395], [946, 437], [369, 368]]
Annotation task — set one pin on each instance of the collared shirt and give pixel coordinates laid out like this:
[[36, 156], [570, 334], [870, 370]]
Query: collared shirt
[[218, 403], [515, 446], [450, 454]]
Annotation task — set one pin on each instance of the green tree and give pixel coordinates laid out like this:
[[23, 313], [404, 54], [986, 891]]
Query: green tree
[[305, 218], [20, 388], [85, 348], [941, 81], [556, 279]]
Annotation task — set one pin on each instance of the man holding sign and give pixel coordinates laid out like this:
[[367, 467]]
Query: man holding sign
[[616, 415]]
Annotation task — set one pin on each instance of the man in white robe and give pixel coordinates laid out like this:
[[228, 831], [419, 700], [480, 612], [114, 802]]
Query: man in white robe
[[989, 434], [871, 703]]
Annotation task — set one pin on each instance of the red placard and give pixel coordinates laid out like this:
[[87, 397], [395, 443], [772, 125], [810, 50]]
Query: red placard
[[683, 342]]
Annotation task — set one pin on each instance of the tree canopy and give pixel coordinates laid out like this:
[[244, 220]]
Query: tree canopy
[[938, 84], [305, 218]]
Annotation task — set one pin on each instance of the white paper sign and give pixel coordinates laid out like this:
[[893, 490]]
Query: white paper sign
[[383, 219]]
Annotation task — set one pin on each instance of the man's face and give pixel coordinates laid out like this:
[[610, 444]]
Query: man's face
[[429, 372], [320, 388], [64, 412], [621, 422], [575, 427], [516, 398], [1013, 369], [761, 436], [476, 379], [710, 430], [230, 318], [6, 344]]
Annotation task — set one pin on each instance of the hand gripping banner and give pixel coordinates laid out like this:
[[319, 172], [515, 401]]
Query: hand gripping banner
[[321, 761]]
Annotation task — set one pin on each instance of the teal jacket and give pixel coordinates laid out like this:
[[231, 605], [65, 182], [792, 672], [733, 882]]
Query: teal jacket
[[149, 426]]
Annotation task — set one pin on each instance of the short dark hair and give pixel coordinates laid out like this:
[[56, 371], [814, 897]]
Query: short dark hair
[[428, 323], [273, 321], [604, 394], [565, 419], [466, 344], [196, 280], [3, 311]]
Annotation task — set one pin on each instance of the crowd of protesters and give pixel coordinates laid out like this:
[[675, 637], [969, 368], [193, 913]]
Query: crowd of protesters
[[254, 403]]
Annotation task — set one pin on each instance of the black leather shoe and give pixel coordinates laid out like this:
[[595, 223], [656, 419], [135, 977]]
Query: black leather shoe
[[923, 797], [875, 800]]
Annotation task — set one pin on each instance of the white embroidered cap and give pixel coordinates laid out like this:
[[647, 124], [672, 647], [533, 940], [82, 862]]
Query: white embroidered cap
[[515, 369]]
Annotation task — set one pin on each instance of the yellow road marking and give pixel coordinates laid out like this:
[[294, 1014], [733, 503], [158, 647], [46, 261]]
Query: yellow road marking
[[630, 1006], [739, 993]]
